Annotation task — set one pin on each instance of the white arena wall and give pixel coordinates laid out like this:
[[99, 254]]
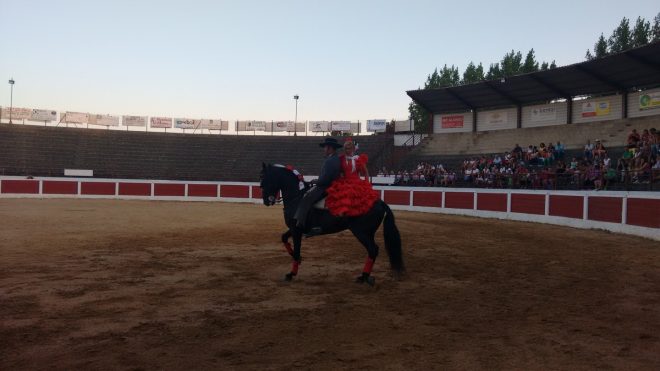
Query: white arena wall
[[634, 213]]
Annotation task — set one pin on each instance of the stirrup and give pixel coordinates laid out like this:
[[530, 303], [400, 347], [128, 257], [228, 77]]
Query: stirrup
[[314, 231]]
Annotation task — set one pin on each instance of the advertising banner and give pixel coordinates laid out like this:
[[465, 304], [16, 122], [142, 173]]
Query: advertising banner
[[134, 120], [453, 121], [544, 113], [17, 113], [214, 125], [103, 120], [182, 123], [43, 115], [161, 122], [403, 125], [255, 125], [297, 127], [376, 125], [591, 109], [649, 100], [317, 126], [341, 126], [75, 117], [496, 118], [280, 126]]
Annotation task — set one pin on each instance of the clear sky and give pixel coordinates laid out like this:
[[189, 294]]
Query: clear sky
[[348, 60]]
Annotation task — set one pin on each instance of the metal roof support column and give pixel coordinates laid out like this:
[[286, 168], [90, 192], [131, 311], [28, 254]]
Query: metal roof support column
[[430, 126], [624, 105], [569, 110], [518, 116], [474, 120]]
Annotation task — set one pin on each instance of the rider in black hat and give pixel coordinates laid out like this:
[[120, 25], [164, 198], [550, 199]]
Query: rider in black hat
[[331, 170]]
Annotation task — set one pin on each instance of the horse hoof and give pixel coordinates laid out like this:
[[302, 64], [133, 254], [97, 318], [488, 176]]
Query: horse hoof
[[366, 279], [288, 277]]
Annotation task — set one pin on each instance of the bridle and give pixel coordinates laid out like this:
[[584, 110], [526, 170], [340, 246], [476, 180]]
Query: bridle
[[301, 183]]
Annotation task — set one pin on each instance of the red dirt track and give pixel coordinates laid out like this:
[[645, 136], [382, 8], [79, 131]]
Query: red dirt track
[[108, 284]]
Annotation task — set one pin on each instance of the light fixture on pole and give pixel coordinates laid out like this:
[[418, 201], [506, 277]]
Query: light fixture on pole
[[11, 98], [295, 122]]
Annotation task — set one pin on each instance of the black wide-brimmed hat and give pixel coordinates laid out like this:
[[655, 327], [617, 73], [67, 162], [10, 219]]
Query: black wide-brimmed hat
[[332, 142]]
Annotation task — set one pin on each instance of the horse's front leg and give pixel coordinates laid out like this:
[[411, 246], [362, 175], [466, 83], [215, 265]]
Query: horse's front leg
[[297, 242], [285, 241]]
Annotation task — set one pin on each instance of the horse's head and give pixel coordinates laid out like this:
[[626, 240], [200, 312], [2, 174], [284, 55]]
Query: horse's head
[[269, 185]]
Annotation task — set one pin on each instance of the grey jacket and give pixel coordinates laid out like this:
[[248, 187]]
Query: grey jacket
[[331, 170]]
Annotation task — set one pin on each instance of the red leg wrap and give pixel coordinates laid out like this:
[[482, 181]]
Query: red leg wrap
[[294, 267], [288, 248], [368, 265]]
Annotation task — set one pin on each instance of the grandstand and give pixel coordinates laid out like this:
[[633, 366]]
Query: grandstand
[[28, 150]]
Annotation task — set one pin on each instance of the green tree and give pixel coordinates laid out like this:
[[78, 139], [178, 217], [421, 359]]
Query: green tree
[[588, 55], [448, 76], [655, 31], [494, 72], [621, 38], [530, 65], [553, 64], [641, 32], [600, 48], [544, 66], [511, 63], [473, 73]]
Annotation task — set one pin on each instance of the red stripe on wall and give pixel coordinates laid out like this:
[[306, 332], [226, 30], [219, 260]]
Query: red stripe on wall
[[256, 192], [135, 189], [605, 209], [97, 188], [169, 189], [202, 190], [528, 204], [459, 200], [644, 212], [566, 206], [20, 186], [235, 191], [491, 201], [54, 187], [397, 197], [429, 199]]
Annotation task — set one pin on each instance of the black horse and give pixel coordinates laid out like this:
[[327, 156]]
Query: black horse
[[278, 178]]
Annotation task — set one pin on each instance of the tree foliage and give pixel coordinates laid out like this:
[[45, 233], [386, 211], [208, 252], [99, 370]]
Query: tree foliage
[[624, 38]]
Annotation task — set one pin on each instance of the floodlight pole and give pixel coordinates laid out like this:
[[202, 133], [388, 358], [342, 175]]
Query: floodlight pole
[[295, 122], [11, 98]]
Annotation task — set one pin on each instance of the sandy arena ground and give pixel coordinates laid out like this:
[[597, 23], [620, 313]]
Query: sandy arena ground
[[103, 284]]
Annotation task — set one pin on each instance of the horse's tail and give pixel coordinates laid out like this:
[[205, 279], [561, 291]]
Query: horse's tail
[[392, 240]]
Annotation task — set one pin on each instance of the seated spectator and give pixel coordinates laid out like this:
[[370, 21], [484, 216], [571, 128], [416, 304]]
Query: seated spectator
[[646, 137], [599, 150], [574, 164], [559, 150], [633, 138], [588, 150], [517, 152], [656, 169]]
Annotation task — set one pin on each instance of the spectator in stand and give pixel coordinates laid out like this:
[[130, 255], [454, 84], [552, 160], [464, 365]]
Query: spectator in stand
[[588, 150], [656, 169], [559, 149], [633, 138], [655, 141], [599, 150], [517, 152]]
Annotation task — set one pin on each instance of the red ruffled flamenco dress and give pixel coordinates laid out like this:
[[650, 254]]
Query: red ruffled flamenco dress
[[349, 195]]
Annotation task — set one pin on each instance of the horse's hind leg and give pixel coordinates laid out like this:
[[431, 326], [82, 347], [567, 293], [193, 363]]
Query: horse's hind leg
[[297, 242], [285, 241], [367, 239]]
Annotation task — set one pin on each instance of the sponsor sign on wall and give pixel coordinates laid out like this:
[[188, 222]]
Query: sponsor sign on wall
[[281, 126], [544, 113], [497, 117], [214, 125], [183, 123], [75, 117], [161, 122], [134, 120], [318, 126], [341, 126], [404, 126], [596, 108], [255, 125], [376, 125], [453, 121], [649, 100], [103, 120], [43, 115], [17, 113]]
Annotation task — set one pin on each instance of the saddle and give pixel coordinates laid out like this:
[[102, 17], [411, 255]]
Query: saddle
[[320, 204]]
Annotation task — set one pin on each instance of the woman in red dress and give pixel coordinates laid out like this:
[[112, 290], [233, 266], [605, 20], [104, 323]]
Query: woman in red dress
[[350, 195]]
